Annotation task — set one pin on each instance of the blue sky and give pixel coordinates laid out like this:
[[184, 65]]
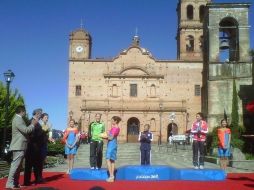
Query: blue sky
[[34, 41]]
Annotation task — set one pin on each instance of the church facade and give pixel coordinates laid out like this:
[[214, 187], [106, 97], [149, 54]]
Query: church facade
[[138, 87]]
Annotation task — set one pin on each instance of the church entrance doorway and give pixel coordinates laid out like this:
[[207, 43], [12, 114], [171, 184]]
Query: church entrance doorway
[[133, 126], [172, 130]]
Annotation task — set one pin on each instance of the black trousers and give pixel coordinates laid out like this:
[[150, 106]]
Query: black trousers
[[145, 156], [96, 151], [33, 161], [198, 147]]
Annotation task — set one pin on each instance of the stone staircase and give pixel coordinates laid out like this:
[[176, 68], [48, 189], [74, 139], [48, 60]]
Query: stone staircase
[[176, 156], [129, 154]]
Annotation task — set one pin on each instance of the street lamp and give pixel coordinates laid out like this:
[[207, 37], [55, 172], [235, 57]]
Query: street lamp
[[161, 106], [83, 118], [187, 121], [8, 76]]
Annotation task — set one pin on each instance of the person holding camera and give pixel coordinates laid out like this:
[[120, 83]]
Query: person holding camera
[[199, 130]]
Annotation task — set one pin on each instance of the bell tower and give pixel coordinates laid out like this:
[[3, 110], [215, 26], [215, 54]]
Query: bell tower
[[226, 58], [190, 29], [80, 45]]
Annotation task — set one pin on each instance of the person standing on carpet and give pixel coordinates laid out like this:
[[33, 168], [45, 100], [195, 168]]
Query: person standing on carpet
[[145, 138], [224, 138], [47, 137], [47, 130], [33, 156], [71, 139], [199, 130], [96, 128], [112, 146], [18, 145]]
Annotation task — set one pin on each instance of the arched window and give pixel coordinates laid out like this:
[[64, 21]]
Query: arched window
[[114, 90], [152, 90], [229, 40], [189, 12], [153, 125], [190, 43], [201, 13]]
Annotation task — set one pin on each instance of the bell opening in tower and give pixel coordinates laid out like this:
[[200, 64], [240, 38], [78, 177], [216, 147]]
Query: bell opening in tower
[[229, 46]]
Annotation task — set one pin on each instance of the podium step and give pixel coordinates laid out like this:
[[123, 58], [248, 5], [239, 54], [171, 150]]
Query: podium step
[[150, 173], [88, 174]]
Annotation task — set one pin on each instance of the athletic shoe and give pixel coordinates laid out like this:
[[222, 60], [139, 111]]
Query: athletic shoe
[[92, 168], [201, 167], [110, 179], [196, 167]]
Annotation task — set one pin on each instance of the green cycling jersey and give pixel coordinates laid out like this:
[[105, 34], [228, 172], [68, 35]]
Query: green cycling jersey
[[96, 129]]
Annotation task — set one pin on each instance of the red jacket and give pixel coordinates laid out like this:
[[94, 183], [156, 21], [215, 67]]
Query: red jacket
[[199, 132]]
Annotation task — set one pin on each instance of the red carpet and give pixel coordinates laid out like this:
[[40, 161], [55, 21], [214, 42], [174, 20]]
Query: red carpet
[[61, 181]]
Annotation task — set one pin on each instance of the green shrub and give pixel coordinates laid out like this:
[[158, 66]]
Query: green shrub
[[236, 142], [55, 148], [249, 156], [236, 129], [211, 141]]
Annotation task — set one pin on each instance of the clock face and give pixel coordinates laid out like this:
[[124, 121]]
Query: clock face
[[79, 49]]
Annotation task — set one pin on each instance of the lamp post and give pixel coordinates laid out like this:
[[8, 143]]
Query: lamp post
[[8, 76], [89, 117], [161, 106], [187, 121], [83, 118]]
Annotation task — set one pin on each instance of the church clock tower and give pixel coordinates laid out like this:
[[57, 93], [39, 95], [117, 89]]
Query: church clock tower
[[190, 29], [80, 45]]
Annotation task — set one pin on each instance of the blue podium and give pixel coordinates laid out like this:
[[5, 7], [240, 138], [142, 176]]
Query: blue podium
[[145, 173], [88, 174], [150, 173]]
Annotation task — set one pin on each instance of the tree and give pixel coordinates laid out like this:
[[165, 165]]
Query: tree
[[252, 60], [15, 99], [234, 112], [252, 55], [235, 128]]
